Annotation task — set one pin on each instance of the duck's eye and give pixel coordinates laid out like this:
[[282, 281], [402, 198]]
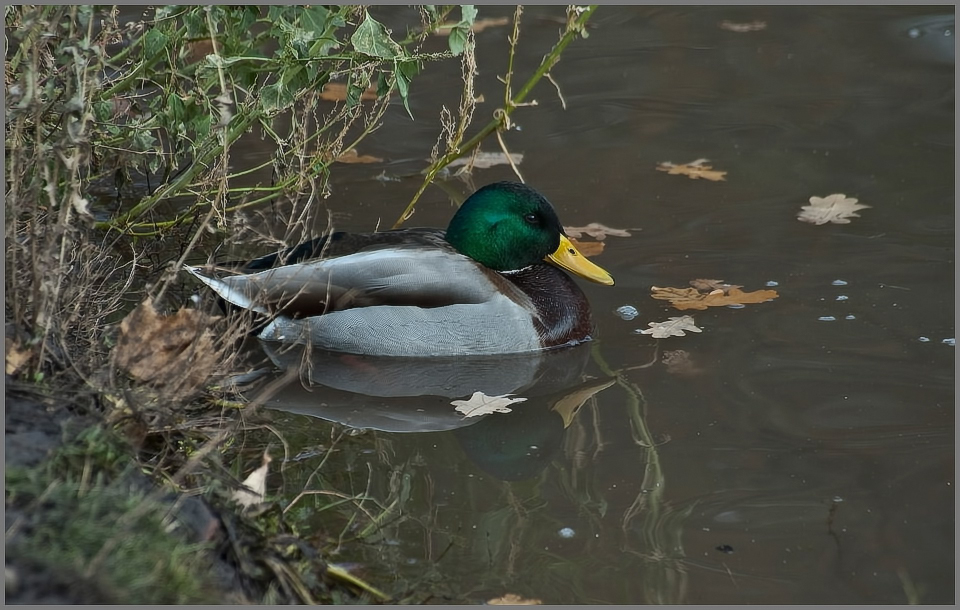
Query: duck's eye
[[532, 219]]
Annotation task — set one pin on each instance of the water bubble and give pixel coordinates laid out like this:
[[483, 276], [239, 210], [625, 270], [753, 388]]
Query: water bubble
[[914, 33], [627, 312], [837, 499], [567, 532], [839, 283], [952, 342], [924, 339], [736, 306], [850, 317], [826, 319], [842, 297], [772, 283]]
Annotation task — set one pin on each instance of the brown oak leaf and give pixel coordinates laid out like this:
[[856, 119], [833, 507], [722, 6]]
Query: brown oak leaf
[[691, 298], [176, 350]]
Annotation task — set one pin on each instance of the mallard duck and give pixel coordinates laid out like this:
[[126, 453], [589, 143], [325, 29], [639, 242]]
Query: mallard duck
[[484, 286]]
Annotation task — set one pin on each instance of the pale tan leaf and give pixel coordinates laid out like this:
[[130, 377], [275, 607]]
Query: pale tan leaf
[[836, 208], [337, 92], [750, 26], [597, 231], [511, 599], [711, 285], [673, 327], [587, 248], [484, 160], [691, 298], [254, 486], [679, 362], [478, 26], [481, 404], [352, 156], [695, 169], [16, 358]]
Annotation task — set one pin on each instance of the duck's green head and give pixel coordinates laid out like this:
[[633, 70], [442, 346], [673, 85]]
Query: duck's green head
[[507, 226]]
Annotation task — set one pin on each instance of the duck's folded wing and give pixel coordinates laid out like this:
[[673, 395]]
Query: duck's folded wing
[[391, 277], [499, 326]]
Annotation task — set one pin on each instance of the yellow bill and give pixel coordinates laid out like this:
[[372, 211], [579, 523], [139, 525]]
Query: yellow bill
[[568, 257]]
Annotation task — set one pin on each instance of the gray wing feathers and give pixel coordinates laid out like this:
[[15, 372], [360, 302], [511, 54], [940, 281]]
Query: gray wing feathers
[[384, 276], [498, 326]]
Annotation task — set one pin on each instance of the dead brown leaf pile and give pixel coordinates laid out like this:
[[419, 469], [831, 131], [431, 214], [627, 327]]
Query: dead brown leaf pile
[[176, 351]]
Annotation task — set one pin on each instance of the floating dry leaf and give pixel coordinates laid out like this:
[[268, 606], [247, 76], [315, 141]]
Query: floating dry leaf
[[596, 230], [483, 160], [511, 599], [711, 285], [694, 169], [587, 248], [16, 357], [337, 92], [481, 404], [674, 327], [836, 208], [176, 350], [478, 26], [352, 156], [691, 298], [679, 362], [750, 26], [254, 486]]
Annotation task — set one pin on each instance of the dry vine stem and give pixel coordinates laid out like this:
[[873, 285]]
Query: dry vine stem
[[577, 18]]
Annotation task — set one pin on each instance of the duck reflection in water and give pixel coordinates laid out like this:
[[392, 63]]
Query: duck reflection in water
[[402, 395]]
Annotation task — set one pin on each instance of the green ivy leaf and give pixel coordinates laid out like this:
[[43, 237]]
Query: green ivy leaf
[[405, 71], [372, 38], [177, 111], [154, 41], [314, 19], [459, 33], [383, 84], [276, 97]]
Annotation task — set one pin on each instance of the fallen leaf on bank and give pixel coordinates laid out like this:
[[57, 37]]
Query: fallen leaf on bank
[[254, 486], [836, 208], [694, 169], [337, 92], [478, 26], [597, 231], [481, 404], [587, 248], [483, 160], [674, 327], [511, 599], [711, 285], [750, 26], [16, 357], [176, 350], [678, 362], [691, 298], [352, 156]]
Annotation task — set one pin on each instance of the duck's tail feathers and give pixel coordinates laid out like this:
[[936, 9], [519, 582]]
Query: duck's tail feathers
[[230, 293]]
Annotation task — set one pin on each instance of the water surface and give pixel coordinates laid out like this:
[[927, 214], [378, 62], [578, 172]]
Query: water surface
[[805, 452]]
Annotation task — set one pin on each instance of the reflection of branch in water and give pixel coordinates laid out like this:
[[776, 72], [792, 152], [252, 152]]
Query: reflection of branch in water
[[659, 527]]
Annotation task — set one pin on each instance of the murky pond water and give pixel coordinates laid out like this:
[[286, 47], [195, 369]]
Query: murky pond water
[[797, 451]]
